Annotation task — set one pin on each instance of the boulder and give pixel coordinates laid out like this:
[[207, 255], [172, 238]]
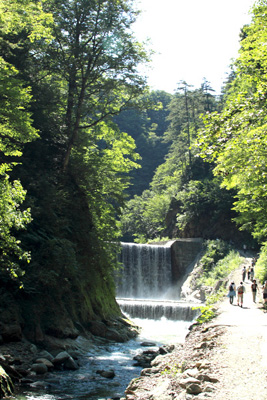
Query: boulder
[[70, 364], [193, 388], [39, 368], [148, 344], [106, 373], [184, 383], [48, 363], [45, 354], [61, 358]]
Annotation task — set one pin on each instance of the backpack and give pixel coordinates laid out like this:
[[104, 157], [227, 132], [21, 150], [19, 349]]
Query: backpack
[[231, 288], [241, 289]]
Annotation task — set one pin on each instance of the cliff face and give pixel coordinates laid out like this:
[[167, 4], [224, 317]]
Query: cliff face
[[210, 224], [68, 283]]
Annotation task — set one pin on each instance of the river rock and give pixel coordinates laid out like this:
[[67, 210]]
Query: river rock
[[207, 378], [193, 388], [70, 364], [209, 388], [184, 383], [61, 358], [39, 368], [45, 354], [106, 373], [148, 344], [45, 361]]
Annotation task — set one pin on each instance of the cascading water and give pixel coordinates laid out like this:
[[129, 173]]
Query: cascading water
[[147, 271], [146, 287]]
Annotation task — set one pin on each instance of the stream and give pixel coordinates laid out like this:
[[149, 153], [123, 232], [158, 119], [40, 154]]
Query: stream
[[86, 383]]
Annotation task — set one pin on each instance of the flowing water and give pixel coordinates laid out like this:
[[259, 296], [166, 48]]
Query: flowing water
[[143, 289], [86, 383]]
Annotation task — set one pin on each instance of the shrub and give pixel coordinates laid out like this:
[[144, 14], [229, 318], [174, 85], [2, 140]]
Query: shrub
[[261, 265]]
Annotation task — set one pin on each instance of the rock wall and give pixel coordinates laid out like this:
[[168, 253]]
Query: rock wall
[[184, 252]]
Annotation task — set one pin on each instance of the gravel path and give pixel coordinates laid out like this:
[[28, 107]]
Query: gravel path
[[241, 358], [228, 356]]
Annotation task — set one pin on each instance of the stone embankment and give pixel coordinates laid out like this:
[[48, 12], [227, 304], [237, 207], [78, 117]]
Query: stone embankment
[[220, 360]]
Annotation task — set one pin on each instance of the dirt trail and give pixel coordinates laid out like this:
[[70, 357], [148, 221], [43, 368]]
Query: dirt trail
[[241, 357]]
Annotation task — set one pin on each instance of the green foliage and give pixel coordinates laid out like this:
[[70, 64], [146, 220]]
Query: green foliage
[[207, 313], [16, 130], [11, 220], [181, 188], [217, 263], [147, 127], [144, 216], [200, 200], [261, 264], [215, 251], [174, 370], [222, 268], [235, 139]]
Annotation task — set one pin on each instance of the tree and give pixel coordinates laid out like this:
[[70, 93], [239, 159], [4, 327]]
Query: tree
[[15, 130], [235, 139], [96, 55]]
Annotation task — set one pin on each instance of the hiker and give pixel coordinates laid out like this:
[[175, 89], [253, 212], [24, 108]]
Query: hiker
[[240, 293], [254, 287], [243, 274], [252, 273], [249, 270], [232, 293], [264, 292]]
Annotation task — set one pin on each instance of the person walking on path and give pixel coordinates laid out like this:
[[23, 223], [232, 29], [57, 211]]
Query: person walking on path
[[264, 293], [252, 273], [254, 287], [243, 274], [240, 294], [232, 292]]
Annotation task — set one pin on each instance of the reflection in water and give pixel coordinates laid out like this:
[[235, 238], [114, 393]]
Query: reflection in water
[[86, 383]]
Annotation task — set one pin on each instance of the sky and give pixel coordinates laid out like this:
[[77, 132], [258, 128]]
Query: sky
[[192, 40]]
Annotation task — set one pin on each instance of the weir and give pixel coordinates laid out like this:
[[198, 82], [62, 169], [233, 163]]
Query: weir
[[153, 309], [149, 284]]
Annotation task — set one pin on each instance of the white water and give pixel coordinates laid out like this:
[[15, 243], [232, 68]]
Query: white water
[[85, 383], [146, 273]]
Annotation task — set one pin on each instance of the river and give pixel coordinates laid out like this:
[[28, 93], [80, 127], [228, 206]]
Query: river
[[86, 383]]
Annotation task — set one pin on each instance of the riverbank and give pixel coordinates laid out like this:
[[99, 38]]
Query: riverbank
[[221, 360]]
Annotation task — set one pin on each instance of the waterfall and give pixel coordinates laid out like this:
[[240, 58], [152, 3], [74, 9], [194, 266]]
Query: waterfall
[[148, 285], [146, 273]]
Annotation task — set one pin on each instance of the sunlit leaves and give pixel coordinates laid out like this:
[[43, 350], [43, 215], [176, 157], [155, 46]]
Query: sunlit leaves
[[15, 127], [18, 15], [11, 219], [236, 138]]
